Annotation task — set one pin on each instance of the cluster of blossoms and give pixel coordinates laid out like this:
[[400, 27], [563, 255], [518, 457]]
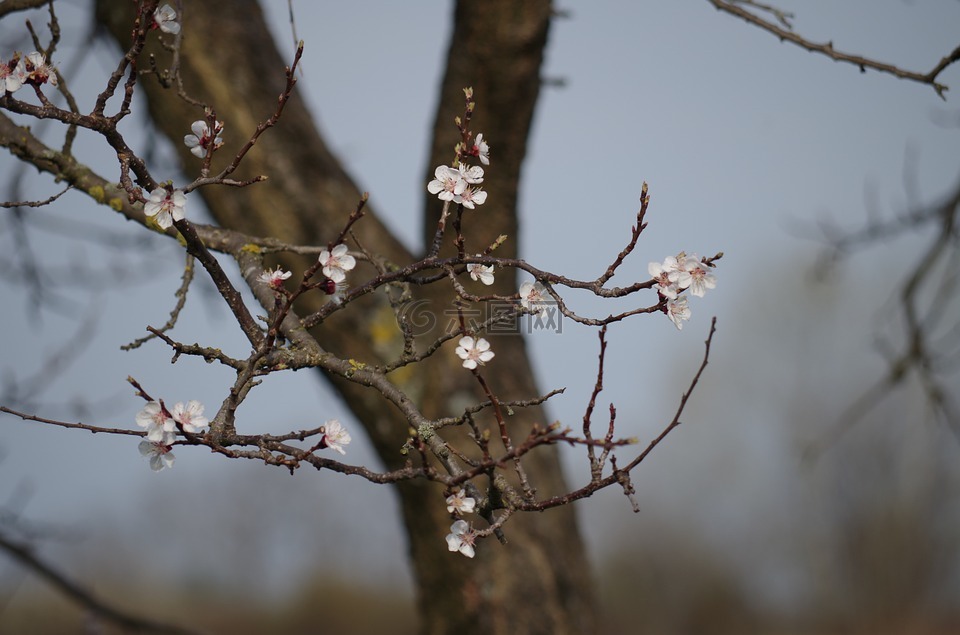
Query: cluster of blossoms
[[161, 427], [203, 140], [456, 184], [461, 536], [677, 274], [29, 69], [165, 19], [166, 206], [336, 263]]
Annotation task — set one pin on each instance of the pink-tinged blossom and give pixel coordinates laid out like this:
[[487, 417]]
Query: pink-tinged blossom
[[481, 273], [678, 312], [38, 71], [13, 73], [202, 140], [471, 174], [166, 206], [700, 278], [337, 263], [160, 455], [460, 503], [190, 416], [165, 19], [159, 427], [474, 352], [461, 538], [471, 197], [666, 288], [533, 297], [335, 436], [481, 150], [678, 269], [274, 277], [448, 183]]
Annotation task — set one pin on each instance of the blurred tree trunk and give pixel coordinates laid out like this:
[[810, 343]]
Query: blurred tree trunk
[[539, 582]]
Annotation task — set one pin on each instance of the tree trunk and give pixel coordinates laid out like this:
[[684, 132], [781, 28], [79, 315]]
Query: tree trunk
[[539, 581]]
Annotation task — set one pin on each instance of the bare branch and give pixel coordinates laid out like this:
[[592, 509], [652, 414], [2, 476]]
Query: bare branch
[[25, 556], [863, 63]]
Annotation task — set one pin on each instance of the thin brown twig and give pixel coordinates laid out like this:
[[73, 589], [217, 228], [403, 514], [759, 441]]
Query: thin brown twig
[[827, 49]]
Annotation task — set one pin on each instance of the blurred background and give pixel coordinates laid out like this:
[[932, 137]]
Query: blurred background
[[779, 506]]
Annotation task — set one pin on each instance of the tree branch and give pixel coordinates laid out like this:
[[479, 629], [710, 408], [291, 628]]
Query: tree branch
[[784, 33]]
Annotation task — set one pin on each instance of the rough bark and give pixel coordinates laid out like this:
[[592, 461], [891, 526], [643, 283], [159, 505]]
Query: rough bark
[[539, 581]]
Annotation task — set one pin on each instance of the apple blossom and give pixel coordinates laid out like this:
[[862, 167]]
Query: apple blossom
[[481, 273], [461, 538], [202, 141], [190, 416], [337, 263], [167, 206], [474, 352], [335, 436], [160, 455], [460, 503], [165, 19]]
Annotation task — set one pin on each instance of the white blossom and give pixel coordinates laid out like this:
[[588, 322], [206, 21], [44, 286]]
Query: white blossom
[[481, 273], [335, 436], [165, 18], [448, 184], [533, 297], [678, 270], [13, 74], [159, 427], [461, 538], [166, 206], [460, 503], [38, 71], [666, 288], [471, 197], [190, 416], [337, 263], [471, 174], [678, 312], [202, 140], [474, 352], [700, 278], [274, 277], [481, 150], [160, 455]]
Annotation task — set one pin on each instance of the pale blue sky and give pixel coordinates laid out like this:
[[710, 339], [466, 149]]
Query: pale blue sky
[[742, 140]]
